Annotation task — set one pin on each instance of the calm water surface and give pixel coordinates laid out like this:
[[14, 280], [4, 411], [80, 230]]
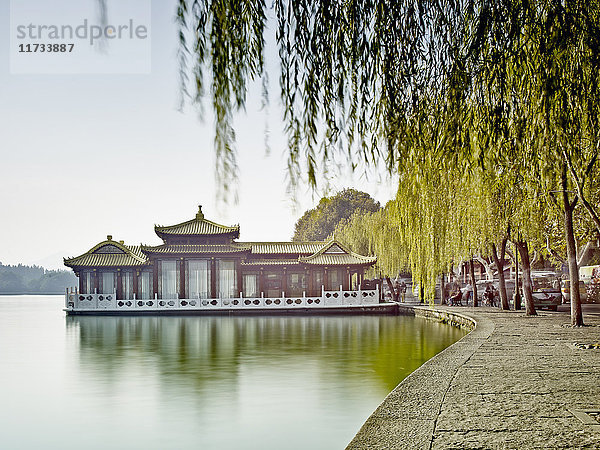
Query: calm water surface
[[198, 382]]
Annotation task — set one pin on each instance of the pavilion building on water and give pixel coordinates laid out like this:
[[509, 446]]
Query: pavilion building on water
[[201, 264]]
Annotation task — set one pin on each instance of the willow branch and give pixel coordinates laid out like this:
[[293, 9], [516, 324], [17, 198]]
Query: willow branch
[[580, 193], [554, 252]]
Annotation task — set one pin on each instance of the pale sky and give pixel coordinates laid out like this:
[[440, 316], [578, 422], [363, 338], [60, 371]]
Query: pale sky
[[83, 156]]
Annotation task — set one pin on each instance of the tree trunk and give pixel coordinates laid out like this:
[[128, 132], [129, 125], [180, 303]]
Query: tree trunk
[[527, 285], [421, 292], [576, 314], [589, 247], [443, 290], [473, 282], [499, 261], [516, 293], [395, 295], [486, 265]]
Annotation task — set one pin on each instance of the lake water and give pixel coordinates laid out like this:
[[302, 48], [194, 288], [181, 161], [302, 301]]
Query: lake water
[[198, 382]]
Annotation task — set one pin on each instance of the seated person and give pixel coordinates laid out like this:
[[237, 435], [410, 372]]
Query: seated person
[[455, 298], [488, 295]]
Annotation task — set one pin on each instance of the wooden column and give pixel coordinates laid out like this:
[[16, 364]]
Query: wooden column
[[100, 282], [213, 278], [346, 280], [134, 280], [238, 271], [308, 285], [95, 281], [325, 278], [119, 284], [284, 281], [261, 281], [182, 283], [81, 281], [311, 282], [155, 279]]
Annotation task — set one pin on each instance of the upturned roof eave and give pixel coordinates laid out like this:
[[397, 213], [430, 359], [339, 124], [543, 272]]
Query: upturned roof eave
[[116, 266], [160, 250], [163, 231], [361, 260], [72, 262], [357, 263], [234, 234]]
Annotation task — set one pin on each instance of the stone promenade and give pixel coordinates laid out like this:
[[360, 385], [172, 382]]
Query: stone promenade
[[514, 382]]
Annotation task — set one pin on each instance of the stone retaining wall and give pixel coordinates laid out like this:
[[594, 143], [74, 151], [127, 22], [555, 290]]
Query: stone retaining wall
[[452, 318], [407, 416]]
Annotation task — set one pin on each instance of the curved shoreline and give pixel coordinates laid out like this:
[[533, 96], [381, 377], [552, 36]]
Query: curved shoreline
[[406, 417], [506, 384]]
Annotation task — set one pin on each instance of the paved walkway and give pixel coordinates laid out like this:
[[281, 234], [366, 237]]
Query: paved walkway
[[514, 382]]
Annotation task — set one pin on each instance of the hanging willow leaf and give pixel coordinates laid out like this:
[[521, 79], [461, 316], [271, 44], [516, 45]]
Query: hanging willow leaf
[[475, 105]]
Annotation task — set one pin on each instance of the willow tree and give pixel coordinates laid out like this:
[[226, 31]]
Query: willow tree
[[538, 64], [373, 233], [362, 80]]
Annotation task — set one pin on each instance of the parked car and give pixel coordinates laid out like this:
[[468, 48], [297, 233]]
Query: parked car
[[547, 292], [566, 291], [547, 299]]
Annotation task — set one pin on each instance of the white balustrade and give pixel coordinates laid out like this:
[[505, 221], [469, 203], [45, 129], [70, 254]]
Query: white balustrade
[[75, 301]]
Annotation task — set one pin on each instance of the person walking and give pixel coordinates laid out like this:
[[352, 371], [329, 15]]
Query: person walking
[[402, 288]]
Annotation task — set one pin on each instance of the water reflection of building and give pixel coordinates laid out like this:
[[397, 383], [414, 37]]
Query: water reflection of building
[[207, 349], [201, 263]]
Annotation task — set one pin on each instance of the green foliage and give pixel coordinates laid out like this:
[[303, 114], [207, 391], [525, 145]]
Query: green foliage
[[478, 106], [319, 223]]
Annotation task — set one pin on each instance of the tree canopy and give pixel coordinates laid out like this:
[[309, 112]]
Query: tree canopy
[[319, 223], [486, 110]]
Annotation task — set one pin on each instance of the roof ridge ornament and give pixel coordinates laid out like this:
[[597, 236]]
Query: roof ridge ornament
[[200, 214]]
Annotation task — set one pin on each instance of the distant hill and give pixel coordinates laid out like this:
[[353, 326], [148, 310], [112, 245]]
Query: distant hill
[[34, 279]]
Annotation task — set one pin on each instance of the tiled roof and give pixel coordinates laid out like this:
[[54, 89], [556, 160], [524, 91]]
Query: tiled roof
[[271, 262], [193, 227], [191, 248], [335, 254], [338, 260], [330, 253], [288, 248], [197, 226], [109, 253]]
